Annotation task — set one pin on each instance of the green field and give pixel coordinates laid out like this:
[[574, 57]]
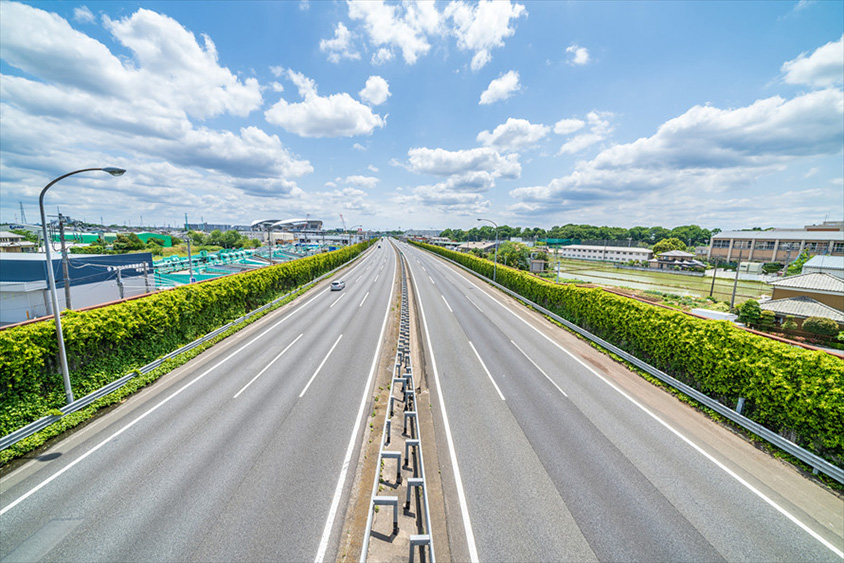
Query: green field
[[608, 275]]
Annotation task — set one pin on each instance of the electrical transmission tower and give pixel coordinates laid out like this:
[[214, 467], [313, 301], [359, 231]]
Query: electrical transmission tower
[[23, 215]]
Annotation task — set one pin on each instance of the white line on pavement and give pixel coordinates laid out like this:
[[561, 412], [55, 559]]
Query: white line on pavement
[[677, 433], [266, 367], [364, 299], [446, 304], [461, 494], [539, 368], [149, 412], [341, 481], [336, 300], [322, 363], [483, 365]]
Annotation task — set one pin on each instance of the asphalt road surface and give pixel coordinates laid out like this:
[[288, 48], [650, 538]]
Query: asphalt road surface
[[240, 455], [550, 451]]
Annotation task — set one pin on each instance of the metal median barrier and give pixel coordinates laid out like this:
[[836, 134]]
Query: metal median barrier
[[401, 409], [42, 423], [817, 463]]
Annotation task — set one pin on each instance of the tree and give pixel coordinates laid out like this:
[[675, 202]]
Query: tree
[[28, 236], [796, 267], [668, 244], [127, 243], [767, 321], [750, 313], [821, 326], [789, 324]]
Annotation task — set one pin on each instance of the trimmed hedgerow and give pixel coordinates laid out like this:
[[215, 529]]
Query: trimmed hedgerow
[[796, 392], [106, 343]]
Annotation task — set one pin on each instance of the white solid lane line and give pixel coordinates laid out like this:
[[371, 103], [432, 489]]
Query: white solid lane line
[[260, 373], [322, 363], [341, 481], [458, 480], [446, 304], [150, 411], [700, 450], [539, 368], [336, 300], [483, 365], [475, 304], [364, 299]]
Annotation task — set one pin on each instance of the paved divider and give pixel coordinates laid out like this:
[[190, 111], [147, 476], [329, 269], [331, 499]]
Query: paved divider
[[409, 528]]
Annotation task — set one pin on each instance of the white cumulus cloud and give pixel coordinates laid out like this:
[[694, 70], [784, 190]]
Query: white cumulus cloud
[[376, 91], [568, 126], [337, 115], [513, 135], [83, 14], [823, 68], [340, 46], [501, 88], [403, 26], [599, 129], [577, 55], [483, 26]]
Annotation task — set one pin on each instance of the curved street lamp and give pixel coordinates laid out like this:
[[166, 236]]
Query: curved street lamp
[[495, 264], [52, 278]]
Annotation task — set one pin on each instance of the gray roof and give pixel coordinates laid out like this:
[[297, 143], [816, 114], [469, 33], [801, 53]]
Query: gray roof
[[814, 281], [825, 262], [676, 254], [782, 235], [802, 307]]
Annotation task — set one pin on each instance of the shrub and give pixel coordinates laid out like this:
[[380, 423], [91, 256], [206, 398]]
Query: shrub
[[789, 323], [768, 320], [796, 392], [104, 344], [821, 326], [749, 312]]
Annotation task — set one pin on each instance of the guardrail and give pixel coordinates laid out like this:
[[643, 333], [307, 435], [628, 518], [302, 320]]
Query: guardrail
[[81, 403], [817, 463], [402, 390]]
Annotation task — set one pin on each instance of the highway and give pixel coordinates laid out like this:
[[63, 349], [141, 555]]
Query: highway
[[242, 454], [550, 451]]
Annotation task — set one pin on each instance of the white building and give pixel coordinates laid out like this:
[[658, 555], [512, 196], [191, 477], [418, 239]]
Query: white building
[[604, 253]]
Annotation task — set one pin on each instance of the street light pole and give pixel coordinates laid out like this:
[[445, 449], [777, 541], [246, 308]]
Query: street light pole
[[495, 263], [52, 278]]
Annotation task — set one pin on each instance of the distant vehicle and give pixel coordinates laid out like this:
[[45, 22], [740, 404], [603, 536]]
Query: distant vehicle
[[337, 285]]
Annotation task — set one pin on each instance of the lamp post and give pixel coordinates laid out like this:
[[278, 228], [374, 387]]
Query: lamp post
[[495, 263], [52, 278]]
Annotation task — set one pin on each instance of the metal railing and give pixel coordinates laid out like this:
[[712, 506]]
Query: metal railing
[[402, 390], [817, 463], [42, 423]]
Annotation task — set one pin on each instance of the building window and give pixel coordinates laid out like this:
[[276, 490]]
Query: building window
[[741, 244], [764, 245], [838, 247], [721, 244]]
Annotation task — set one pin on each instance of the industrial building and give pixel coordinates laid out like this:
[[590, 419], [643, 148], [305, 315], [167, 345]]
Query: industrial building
[[92, 280]]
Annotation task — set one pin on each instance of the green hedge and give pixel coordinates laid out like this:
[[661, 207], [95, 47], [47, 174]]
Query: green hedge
[[796, 392], [106, 343]]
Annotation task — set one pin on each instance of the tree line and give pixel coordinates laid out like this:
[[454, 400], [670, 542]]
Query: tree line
[[690, 235]]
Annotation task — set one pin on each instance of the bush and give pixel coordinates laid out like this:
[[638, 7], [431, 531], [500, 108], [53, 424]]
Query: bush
[[789, 324], [767, 321], [749, 312], [796, 392], [821, 326], [106, 343]]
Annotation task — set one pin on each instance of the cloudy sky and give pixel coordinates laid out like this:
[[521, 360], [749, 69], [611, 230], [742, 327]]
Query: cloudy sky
[[426, 115]]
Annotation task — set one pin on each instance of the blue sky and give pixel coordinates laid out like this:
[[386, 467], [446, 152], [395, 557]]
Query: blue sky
[[426, 115]]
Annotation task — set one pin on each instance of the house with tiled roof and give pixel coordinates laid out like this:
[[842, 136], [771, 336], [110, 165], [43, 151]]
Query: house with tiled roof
[[807, 295]]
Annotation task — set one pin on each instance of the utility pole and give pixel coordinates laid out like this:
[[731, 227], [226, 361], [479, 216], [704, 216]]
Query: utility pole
[[65, 264], [119, 282], [735, 282], [146, 276], [190, 260]]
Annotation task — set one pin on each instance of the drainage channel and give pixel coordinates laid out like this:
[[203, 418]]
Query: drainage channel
[[398, 520]]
